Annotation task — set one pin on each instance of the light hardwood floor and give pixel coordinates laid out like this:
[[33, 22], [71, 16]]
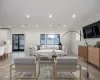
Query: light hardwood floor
[[4, 66]]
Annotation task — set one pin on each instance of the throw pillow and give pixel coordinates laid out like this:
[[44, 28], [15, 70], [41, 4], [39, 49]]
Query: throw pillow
[[38, 47]]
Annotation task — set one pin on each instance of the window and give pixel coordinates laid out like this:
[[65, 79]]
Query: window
[[57, 39], [42, 39], [78, 36], [50, 39]]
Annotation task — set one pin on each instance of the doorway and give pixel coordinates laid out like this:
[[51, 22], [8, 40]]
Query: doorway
[[18, 42]]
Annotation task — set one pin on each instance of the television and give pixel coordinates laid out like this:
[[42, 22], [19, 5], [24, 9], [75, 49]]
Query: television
[[92, 30]]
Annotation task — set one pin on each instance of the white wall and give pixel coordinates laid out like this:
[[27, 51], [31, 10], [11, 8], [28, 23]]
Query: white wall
[[32, 37], [74, 43], [4, 35], [79, 28]]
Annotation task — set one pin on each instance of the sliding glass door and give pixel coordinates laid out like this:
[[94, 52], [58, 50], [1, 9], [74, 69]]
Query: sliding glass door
[[18, 42]]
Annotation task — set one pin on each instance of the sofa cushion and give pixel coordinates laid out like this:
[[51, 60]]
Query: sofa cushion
[[69, 63], [67, 59], [25, 62], [49, 47]]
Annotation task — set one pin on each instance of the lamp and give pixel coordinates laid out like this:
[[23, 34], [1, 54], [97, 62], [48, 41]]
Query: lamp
[[87, 73]]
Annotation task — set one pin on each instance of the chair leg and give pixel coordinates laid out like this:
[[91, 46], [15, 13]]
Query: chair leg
[[55, 71], [6, 56], [10, 73], [55, 75], [80, 73], [2, 57], [35, 73], [39, 67]]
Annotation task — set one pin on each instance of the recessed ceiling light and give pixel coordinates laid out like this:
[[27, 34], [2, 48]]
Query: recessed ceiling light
[[36, 25], [50, 15], [23, 26], [64, 25], [50, 26], [9, 26], [27, 16], [73, 16]]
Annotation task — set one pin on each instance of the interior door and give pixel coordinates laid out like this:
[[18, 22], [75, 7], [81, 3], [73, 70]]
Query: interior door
[[18, 42]]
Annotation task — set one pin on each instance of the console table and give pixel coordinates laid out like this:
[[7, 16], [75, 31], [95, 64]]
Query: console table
[[90, 53], [83, 52]]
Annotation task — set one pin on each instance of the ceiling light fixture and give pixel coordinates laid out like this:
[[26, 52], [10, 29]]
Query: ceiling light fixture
[[50, 15], [23, 26], [64, 25], [9, 26], [36, 25], [27, 16], [73, 16], [50, 26]]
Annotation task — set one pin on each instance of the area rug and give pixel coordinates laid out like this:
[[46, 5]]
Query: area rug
[[46, 73]]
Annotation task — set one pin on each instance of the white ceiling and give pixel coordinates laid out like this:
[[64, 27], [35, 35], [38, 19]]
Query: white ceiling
[[13, 12]]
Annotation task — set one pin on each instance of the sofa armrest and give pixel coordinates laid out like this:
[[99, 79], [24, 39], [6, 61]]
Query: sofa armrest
[[64, 48]]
